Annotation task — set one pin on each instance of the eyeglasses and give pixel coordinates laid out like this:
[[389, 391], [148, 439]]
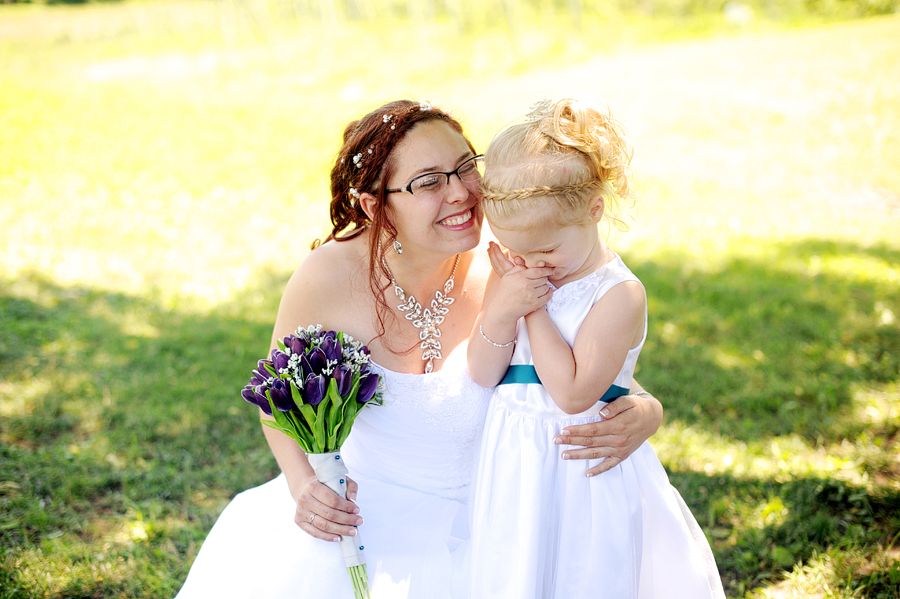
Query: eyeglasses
[[431, 184]]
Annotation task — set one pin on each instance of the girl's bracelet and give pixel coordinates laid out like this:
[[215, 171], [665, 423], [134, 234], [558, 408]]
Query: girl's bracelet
[[644, 393], [481, 330]]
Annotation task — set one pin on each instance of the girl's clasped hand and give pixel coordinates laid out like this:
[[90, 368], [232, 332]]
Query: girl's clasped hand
[[522, 290]]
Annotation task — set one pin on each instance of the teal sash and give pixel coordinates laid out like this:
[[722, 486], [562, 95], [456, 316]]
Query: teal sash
[[525, 374]]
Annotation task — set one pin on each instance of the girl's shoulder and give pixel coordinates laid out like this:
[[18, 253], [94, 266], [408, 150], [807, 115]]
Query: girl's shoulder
[[618, 280]]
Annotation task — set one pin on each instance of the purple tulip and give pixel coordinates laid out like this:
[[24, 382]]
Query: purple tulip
[[260, 376], [250, 395], [367, 387], [314, 389], [329, 335], [331, 348], [281, 361], [365, 350], [317, 360], [281, 395], [297, 345], [263, 402], [262, 370], [344, 378], [305, 367]]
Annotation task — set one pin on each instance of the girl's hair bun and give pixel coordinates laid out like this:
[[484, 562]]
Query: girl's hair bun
[[571, 151]]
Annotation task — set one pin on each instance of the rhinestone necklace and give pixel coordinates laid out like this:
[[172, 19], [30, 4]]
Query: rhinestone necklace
[[428, 321]]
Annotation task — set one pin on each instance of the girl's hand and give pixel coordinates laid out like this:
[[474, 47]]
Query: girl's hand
[[628, 422], [500, 261], [520, 291], [325, 515]]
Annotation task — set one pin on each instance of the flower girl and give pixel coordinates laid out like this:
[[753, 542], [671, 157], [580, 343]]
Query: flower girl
[[563, 319]]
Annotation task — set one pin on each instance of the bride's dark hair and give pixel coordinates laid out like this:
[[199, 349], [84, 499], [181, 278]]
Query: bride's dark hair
[[364, 162]]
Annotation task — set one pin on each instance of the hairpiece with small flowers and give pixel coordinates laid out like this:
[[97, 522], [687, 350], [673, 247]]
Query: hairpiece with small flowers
[[387, 118], [392, 119]]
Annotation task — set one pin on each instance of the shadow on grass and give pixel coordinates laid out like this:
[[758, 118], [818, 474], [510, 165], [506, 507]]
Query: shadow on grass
[[117, 410], [760, 528], [759, 349]]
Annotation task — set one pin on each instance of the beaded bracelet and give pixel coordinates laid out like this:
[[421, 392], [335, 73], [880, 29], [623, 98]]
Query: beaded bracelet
[[481, 330]]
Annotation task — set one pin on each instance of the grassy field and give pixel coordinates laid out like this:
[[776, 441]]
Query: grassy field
[[163, 169]]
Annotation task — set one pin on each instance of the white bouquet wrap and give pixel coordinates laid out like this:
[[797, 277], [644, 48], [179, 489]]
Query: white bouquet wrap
[[331, 472]]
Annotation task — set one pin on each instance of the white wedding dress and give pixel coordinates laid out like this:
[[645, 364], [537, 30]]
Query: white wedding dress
[[412, 458]]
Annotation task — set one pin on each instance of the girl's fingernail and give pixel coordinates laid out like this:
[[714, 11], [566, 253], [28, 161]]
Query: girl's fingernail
[[353, 532], [336, 539], [589, 474], [351, 496], [605, 412], [359, 521], [565, 456], [557, 440], [565, 432]]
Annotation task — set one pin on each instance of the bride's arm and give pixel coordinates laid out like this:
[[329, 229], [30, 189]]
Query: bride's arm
[[629, 421], [320, 511]]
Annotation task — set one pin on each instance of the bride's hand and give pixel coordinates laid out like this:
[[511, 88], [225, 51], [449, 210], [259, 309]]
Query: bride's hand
[[325, 515], [628, 422]]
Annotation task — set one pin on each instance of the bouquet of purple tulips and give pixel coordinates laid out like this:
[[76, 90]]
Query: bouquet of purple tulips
[[313, 387]]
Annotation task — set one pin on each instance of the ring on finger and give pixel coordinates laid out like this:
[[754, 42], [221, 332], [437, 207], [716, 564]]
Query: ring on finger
[[311, 518]]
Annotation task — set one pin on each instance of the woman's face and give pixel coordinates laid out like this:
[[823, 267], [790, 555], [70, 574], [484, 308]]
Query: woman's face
[[449, 222]]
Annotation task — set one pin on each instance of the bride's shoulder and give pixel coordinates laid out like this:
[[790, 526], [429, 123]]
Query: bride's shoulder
[[329, 269], [321, 289]]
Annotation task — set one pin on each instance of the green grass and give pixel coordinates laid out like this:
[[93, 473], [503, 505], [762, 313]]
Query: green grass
[[163, 169]]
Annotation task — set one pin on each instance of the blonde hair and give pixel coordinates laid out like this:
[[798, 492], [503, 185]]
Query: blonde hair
[[550, 168]]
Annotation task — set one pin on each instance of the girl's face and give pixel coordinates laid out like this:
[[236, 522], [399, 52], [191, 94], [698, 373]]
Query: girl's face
[[573, 251], [450, 221]]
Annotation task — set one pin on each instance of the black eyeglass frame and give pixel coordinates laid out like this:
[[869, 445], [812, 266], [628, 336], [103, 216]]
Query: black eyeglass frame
[[408, 188]]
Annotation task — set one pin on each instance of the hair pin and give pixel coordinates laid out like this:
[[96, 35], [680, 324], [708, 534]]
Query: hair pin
[[539, 110]]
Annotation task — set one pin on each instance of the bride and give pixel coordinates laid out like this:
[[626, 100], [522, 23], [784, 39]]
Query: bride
[[405, 193]]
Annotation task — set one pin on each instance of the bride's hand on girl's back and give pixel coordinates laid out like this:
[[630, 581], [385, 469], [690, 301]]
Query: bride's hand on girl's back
[[628, 422], [325, 515]]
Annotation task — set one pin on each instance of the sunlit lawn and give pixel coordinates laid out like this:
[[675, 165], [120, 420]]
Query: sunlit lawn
[[159, 182]]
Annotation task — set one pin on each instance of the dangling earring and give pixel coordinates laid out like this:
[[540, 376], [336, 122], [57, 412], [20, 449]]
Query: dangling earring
[[398, 247]]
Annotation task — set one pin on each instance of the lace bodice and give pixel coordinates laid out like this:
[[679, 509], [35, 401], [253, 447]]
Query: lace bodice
[[426, 434], [572, 292]]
